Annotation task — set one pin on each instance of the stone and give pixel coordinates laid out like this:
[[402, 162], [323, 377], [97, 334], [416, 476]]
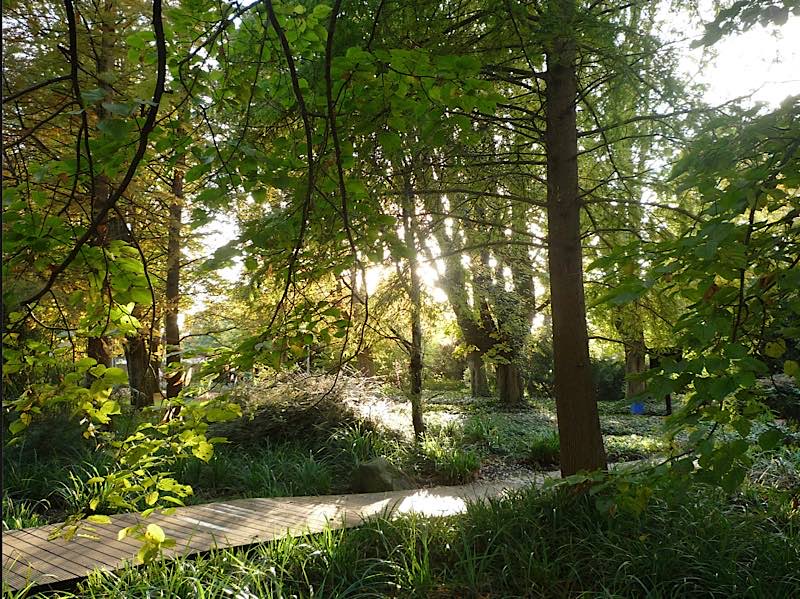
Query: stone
[[378, 475]]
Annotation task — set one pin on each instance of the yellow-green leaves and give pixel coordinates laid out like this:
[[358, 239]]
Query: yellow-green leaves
[[154, 534], [775, 349], [203, 450], [792, 368], [154, 541]]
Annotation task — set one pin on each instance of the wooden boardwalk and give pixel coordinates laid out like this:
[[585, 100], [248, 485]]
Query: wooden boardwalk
[[31, 558]]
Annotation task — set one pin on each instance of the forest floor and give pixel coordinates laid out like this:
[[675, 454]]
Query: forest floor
[[305, 435], [512, 442]]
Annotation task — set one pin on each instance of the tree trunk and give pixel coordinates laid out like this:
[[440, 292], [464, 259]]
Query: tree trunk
[[629, 326], [155, 356], [509, 384], [141, 378], [478, 382], [172, 335], [415, 349], [581, 442], [635, 352], [100, 347]]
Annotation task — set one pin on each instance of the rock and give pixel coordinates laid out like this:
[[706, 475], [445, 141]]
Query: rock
[[378, 475]]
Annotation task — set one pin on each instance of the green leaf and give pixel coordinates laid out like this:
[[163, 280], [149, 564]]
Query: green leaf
[[99, 519], [204, 450], [116, 129], [17, 426], [155, 534], [119, 109], [141, 296], [151, 498], [93, 95], [110, 407], [115, 376], [775, 349], [791, 368], [321, 11], [770, 438]]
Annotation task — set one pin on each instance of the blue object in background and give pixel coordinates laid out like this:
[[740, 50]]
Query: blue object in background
[[637, 407]]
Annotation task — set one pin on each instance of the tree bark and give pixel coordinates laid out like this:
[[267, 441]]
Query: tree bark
[[478, 381], [415, 295], [172, 335], [141, 378], [581, 442], [100, 347], [509, 384], [635, 352], [631, 332]]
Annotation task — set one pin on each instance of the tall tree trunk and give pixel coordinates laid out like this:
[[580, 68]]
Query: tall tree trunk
[[475, 322], [155, 352], [415, 349], [629, 327], [100, 347], [478, 381], [581, 442], [635, 352], [509, 383], [172, 335]]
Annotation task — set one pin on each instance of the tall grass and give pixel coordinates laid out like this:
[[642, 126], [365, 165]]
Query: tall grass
[[23, 514], [536, 544], [268, 470]]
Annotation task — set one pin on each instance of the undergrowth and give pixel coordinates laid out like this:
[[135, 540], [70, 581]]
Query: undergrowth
[[689, 543]]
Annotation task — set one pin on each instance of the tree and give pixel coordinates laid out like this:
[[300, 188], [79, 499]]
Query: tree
[[578, 420]]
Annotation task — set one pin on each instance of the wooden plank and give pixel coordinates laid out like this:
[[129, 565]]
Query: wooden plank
[[252, 525], [78, 551], [105, 534], [13, 579], [19, 565], [277, 512], [39, 566], [99, 539], [223, 533], [71, 561], [187, 535]]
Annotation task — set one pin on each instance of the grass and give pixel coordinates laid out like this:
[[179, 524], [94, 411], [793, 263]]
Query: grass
[[267, 470], [690, 543], [23, 514]]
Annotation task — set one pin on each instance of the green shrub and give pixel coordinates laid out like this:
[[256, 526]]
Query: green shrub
[[445, 458], [359, 442], [544, 450], [76, 493], [609, 379], [481, 429]]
